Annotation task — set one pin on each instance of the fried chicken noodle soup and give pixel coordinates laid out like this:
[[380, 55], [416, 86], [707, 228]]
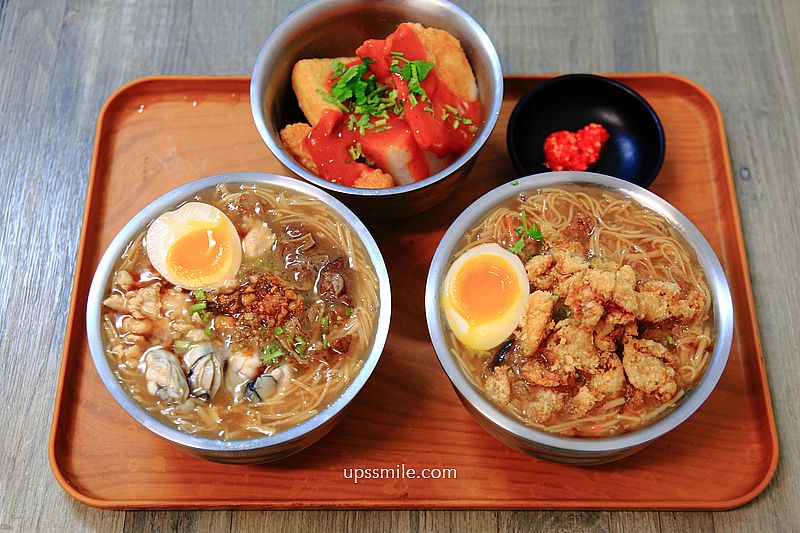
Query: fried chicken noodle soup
[[241, 313], [578, 311]]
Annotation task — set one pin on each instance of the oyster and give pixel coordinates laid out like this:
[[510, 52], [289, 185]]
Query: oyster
[[204, 371], [267, 384], [241, 369], [165, 377]]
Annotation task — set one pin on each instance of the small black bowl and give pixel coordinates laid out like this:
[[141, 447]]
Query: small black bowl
[[635, 149]]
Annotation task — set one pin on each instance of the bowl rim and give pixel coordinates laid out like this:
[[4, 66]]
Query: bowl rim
[[534, 91], [297, 18], [720, 290], [169, 201]]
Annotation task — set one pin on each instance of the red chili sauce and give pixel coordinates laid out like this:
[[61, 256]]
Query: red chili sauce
[[423, 125], [565, 150]]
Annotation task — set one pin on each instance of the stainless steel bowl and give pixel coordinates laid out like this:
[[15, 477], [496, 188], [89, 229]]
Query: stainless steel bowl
[[257, 450], [511, 431], [331, 28]]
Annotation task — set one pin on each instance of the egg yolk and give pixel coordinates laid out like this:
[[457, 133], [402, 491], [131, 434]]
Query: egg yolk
[[199, 253], [483, 289]]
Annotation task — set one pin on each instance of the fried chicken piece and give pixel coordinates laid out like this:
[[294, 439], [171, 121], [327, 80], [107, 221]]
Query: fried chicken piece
[[536, 323], [653, 300], [535, 371], [587, 293], [612, 378], [545, 405], [609, 332], [293, 137], [498, 387], [570, 258], [623, 295], [571, 347], [583, 402], [689, 307], [660, 300], [308, 75], [605, 335], [645, 366], [540, 271]]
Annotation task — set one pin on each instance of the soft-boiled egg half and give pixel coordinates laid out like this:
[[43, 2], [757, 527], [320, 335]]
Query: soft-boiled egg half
[[484, 295], [194, 247]]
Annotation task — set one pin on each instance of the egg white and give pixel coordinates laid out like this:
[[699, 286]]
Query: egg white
[[487, 335], [167, 229]]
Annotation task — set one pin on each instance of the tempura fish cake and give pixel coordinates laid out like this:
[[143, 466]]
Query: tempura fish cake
[[309, 75], [452, 66], [294, 136]]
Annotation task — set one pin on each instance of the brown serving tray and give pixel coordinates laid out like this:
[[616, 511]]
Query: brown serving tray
[[157, 133]]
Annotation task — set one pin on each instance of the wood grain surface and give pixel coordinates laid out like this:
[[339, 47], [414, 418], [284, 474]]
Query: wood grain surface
[[62, 58]]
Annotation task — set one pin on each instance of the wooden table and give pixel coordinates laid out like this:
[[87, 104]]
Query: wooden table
[[60, 59]]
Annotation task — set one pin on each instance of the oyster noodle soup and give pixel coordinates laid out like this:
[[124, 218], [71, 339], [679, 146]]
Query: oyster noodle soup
[[241, 313]]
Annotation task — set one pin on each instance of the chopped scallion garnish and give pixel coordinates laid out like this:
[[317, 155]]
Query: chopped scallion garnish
[[271, 354], [299, 345], [181, 344], [197, 307]]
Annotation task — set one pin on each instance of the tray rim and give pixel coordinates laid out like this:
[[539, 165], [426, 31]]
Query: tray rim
[[638, 505]]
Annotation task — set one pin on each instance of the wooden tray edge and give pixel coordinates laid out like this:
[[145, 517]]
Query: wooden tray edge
[[91, 501]]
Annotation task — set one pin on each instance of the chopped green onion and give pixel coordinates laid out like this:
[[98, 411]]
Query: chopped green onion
[[348, 311], [200, 295], [325, 321], [325, 342], [515, 183], [207, 331], [181, 344], [669, 340], [197, 307], [271, 354], [299, 345], [450, 108]]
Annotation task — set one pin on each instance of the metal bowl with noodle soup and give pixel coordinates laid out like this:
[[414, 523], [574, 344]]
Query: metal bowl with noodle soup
[[238, 315], [578, 316]]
